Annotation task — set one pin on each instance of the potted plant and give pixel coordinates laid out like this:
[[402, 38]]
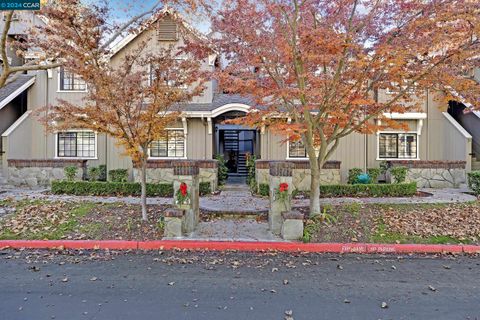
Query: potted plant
[[182, 197]]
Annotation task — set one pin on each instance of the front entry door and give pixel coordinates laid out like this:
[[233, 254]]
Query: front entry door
[[235, 144]]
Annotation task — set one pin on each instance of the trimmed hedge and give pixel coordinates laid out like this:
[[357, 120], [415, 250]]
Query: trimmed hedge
[[362, 190], [100, 188], [474, 181], [369, 190], [205, 188]]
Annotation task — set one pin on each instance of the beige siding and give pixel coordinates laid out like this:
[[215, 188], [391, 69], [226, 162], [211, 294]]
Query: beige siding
[[418, 102], [453, 141], [30, 140], [116, 157], [16, 143], [45, 91], [199, 141], [149, 40], [351, 150]]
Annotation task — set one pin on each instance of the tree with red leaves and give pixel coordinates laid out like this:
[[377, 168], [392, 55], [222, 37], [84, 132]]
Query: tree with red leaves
[[321, 63], [133, 102]]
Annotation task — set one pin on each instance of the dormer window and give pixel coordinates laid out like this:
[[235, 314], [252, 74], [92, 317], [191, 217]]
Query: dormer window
[[167, 30]]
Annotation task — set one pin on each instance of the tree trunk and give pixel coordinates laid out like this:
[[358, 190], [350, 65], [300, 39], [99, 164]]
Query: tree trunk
[[144, 189], [314, 189]]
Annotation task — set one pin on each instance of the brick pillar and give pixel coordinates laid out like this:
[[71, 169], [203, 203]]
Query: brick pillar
[[187, 172], [280, 172]]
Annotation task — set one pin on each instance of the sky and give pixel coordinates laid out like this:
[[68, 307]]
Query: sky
[[123, 9]]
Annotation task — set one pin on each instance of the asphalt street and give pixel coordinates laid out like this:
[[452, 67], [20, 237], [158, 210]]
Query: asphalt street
[[181, 285]]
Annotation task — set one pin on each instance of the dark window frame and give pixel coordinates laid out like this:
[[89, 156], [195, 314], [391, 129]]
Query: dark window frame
[[68, 145], [397, 135], [290, 143], [166, 143], [75, 82]]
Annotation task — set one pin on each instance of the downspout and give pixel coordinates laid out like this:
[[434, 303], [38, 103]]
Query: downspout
[[47, 111], [205, 133], [426, 127], [106, 155]]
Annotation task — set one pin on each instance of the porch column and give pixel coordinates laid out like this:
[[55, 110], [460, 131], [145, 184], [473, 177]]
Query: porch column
[[186, 172], [280, 172]]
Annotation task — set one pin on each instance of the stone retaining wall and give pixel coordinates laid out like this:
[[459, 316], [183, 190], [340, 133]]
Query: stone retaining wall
[[434, 174], [330, 173], [162, 171], [35, 172]]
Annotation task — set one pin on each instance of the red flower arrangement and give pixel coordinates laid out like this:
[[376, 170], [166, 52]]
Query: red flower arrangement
[[182, 195], [282, 192]]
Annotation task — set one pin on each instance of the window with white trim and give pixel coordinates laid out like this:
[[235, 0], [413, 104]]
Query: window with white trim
[[296, 149], [170, 146], [70, 81], [81, 144], [397, 146]]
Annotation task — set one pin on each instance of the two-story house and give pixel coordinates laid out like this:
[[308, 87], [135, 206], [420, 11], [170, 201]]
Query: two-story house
[[436, 147]]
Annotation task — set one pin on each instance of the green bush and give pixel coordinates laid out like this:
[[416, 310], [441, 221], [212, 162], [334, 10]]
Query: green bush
[[251, 181], [94, 173], [222, 169], [103, 172], [118, 175], [474, 181], [100, 188], [264, 189], [205, 188], [374, 173], [369, 190], [399, 174], [359, 190], [70, 172], [353, 175]]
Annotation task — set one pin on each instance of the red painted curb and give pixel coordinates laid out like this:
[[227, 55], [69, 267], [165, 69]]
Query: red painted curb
[[364, 248], [471, 249]]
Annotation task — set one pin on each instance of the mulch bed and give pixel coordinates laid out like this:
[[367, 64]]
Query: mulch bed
[[352, 223], [407, 223], [120, 222], [81, 221], [459, 221]]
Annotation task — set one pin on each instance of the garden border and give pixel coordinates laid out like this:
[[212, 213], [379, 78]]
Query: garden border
[[356, 248]]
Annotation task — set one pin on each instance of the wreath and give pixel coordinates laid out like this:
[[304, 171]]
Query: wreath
[[182, 195]]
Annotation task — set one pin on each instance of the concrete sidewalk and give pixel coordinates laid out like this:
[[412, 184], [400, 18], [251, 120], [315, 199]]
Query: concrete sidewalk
[[242, 201]]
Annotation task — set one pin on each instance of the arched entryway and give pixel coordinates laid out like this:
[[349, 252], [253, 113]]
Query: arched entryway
[[235, 142]]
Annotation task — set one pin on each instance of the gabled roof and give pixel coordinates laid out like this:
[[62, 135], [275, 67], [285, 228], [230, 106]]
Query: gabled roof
[[13, 89], [147, 24]]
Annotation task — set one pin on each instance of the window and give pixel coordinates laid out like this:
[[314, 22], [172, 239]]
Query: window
[[296, 149], [80, 144], [397, 146], [71, 82], [155, 74], [171, 146]]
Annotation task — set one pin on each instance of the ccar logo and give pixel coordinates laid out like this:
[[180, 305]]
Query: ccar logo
[[19, 4]]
